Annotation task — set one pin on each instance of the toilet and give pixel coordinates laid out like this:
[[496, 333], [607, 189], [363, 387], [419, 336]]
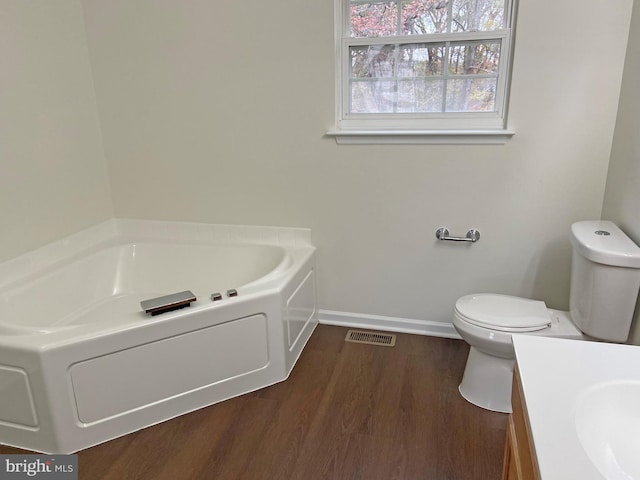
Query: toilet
[[605, 279]]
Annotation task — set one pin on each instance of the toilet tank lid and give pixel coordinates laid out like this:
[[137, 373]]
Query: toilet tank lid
[[602, 241]]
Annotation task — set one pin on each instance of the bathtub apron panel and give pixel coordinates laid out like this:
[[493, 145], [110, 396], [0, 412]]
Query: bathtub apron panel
[[81, 363]]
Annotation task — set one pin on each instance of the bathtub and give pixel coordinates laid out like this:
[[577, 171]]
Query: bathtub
[[81, 363]]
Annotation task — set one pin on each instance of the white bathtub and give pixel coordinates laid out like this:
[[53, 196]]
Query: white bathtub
[[81, 363]]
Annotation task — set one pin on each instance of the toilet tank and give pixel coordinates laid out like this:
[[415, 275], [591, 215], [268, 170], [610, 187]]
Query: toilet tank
[[605, 279]]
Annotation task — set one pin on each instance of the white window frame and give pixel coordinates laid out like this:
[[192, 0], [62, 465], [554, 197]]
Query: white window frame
[[471, 127]]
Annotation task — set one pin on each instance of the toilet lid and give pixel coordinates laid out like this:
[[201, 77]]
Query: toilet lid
[[503, 312]]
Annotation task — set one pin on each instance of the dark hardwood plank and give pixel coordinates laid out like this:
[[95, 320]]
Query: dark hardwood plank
[[348, 411]]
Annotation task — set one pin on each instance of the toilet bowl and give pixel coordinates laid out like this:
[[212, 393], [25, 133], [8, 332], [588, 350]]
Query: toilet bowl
[[605, 279], [487, 322]]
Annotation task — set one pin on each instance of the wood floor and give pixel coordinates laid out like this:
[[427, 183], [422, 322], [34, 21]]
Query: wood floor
[[348, 411]]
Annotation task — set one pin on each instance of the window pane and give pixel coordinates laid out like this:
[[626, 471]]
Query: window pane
[[420, 60], [372, 61], [471, 95], [421, 17], [374, 19], [420, 96], [477, 15], [410, 78], [474, 58], [377, 96]]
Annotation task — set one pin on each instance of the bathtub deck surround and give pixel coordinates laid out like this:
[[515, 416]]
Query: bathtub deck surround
[[82, 363]]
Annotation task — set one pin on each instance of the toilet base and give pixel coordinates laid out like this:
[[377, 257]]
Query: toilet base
[[487, 381]]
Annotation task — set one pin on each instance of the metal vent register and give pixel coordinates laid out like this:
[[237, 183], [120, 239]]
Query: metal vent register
[[371, 338]]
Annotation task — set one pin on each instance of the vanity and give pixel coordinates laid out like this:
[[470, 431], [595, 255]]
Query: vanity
[[576, 411], [519, 456]]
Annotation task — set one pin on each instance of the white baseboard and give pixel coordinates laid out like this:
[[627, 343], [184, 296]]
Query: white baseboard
[[389, 324]]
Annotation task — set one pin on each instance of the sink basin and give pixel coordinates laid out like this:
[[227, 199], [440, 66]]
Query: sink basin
[[607, 422]]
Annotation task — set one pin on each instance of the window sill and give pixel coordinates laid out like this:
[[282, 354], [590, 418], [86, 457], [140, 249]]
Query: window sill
[[420, 137]]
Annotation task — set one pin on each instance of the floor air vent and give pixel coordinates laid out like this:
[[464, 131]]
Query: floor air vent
[[371, 338]]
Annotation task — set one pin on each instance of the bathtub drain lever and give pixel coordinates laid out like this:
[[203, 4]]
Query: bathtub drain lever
[[168, 303]]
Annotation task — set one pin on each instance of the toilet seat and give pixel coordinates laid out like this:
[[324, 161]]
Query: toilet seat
[[503, 312]]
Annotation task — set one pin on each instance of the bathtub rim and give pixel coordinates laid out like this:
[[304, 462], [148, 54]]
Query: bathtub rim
[[97, 236], [43, 337]]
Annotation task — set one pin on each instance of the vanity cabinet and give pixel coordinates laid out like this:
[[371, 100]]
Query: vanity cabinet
[[519, 455]]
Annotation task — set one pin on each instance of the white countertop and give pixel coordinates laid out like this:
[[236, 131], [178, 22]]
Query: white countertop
[[554, 373]]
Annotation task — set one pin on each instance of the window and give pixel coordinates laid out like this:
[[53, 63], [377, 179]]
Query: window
[[418, 66]]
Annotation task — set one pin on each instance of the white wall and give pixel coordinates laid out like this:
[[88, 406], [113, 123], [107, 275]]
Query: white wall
[[53, 178], [622, 199], [216, 111]]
